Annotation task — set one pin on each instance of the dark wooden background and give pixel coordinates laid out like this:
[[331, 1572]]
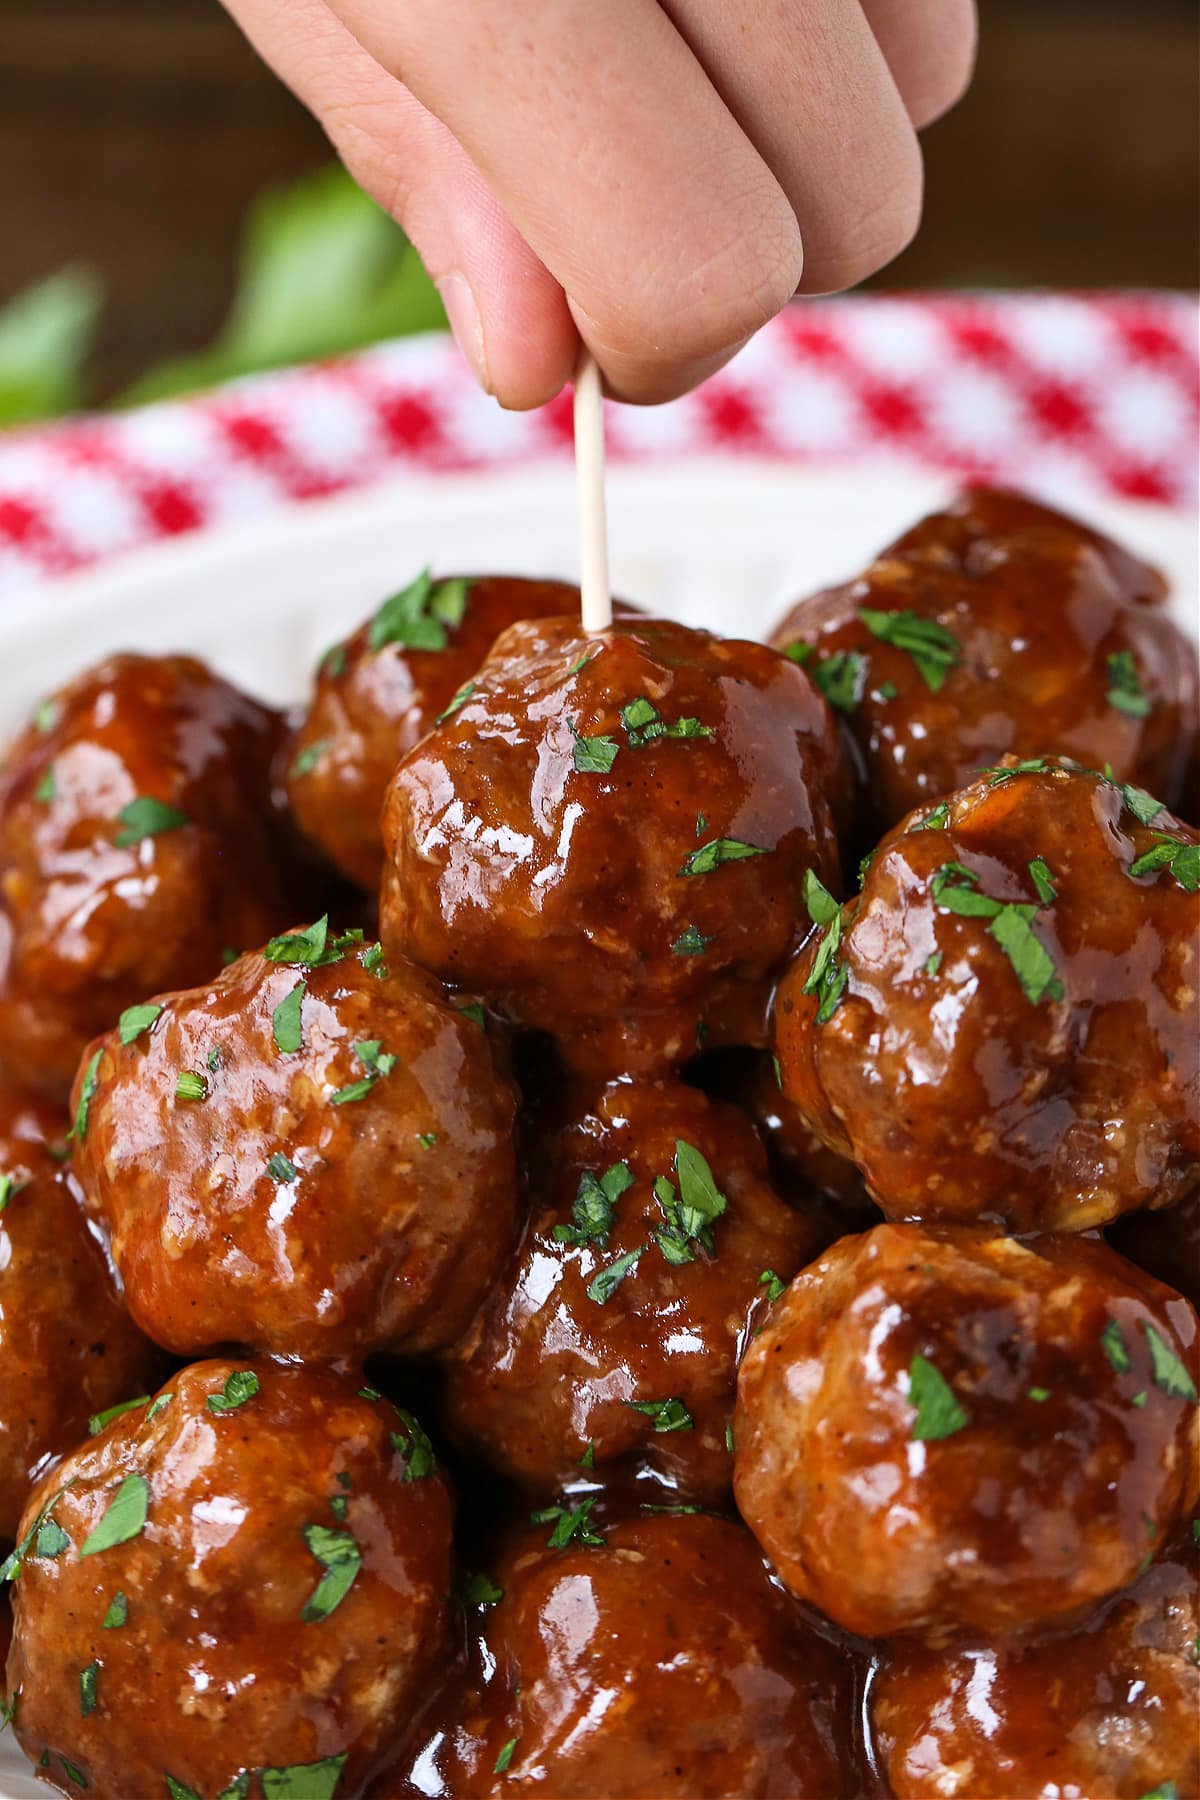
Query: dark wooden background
[[133, 133]]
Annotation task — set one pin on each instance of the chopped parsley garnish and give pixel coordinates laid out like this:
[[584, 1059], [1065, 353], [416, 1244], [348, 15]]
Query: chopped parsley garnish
[[473, 1010], [308, 949], [588, 1459], [593, 755], [481, 1590], [123, 1518], [1126, 693], [799, 652], [774, 1285], [87, 1689], [229, 955], [303, 1781], [146, 817], [11, 1566], [1169, 1372], [932, 963], [956, 889], [377, 1061], [594, 1207], [710, 856], [701, 825], [286, 1026], [668, 1415], [1166, 1790], [87, 1093], [939, 1414], [500, 1767], [9, 1186], [934, 650], [1182, 859], [822, 907], [52, 1540], [157, 1406], [1112, 1340], [606, 1281], [340, 1557], [691, 1212], [644, 725], [829, 974], [372, 961], [420, 615], [1038, 1394], [938, 819], [240, 1385], [308, 758], [887, 690], [339, 1506], [46, 715], [99, 1420], [673, 1512], [415, 1448], [457, 701], [117, 1614], [1043, 881], [690, 942], [47, 788], [282, 1169], [190, 1085], [427, 1139], [72, 1773], [841, 677], [572, 1524], [333, 663], [1144, 807], [136, 1019]]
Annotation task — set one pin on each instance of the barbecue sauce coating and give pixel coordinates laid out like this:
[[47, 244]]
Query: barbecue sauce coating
[[1043, 1444], [1057, 642], [629, 887], [68, 1348], [662, 1662], [1109, 1709], [961, 1095], [353, 1192], [379, 693], [97, 910], [242, 1647], [552, 1367]]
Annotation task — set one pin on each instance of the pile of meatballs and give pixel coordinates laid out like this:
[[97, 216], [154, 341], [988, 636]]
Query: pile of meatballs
[[616, 1215]]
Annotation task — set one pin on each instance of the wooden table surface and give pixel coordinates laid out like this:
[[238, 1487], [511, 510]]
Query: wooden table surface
[[134, 134]]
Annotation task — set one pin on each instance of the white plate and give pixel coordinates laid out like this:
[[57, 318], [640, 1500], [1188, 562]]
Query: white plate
[[725, 544]]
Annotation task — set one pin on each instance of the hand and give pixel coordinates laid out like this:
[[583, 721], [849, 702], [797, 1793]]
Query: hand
[[656, 178]]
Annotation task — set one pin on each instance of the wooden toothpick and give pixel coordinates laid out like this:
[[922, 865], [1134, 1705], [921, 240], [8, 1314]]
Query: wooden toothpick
[[589, 471]]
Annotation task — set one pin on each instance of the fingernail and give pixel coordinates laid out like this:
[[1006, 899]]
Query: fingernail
[[465, 323]]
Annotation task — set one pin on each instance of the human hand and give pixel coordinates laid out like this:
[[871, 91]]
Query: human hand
[[656, 177]]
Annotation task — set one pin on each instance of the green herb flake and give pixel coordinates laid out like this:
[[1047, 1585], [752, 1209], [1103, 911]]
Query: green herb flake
[[46, 716], [240, 1385], [146, 817], [427, 1139], [8, 1709], [829, 975], [87, 1093], [47, 788], [481, 1590], [1166, 1790], [588, 1459], [594, 1207], [87, 1689], [307, 759], [304, 1781], [99, 1420], [799, 652], [701, 825], [605, 1283], [123, 1518], [137, 1019], [593, 755], [955, 889], [500, 1767], [645, 725], [339, 1506], [668, 1415], [938, 819], [933, 649], [690, 942], [1169, 1372], [841, 677], [73, 1774], [774, 1285], [157, 1406], [473, 1011], [457, 702], [286, 1026], [308, 949], [1126, 693], [117, 1614], [418, 1453], [1144, 807], [1038, 1394], [340, 1557], [51, 1541], [938, 1413], [420, 616], [10, 1187], [572, 1524], [1182, 859], [887, 690], [822, 907], [710, 856], [932, 963], [1043, 880], [282, 1169], [333, 664], [372, 961], [190, 1085], [1112, 1340]]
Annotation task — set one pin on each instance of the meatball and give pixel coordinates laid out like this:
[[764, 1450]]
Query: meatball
[[137, 843], [1166, 1244], [379, 693], [608, 837], [247, 1574], [653, 1243], [68, 1348], [940, 1430], [1002, 1025], [311, 1156], [998, 626], [1109, 1709], [651, 1657]]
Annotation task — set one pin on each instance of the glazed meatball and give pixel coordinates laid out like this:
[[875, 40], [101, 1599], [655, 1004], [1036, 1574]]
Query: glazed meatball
[[1109, 1709], [940, 1430], [136, 845], [311, 1156], [608, 837], [653, 1242], [651, 1657], [1002, 1025], [379, 692], [68, 1348], [248, 1574], [998, 626], [1166, 1244]]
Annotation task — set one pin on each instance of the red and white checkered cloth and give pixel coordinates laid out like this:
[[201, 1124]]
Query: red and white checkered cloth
[[1070, 393]]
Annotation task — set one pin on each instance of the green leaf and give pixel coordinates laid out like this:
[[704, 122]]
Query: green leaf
[[190, 1085], [117, 1614], [481, 1590], [1126, 693], [45, 335], [1182, 859], [416, 1449], [668, 1415], [87, 1093], [1169, 1372], [710, 856], [822, 907], [240, 1385], [282, 1169], [123, 1519], [419, 616], [72, 1773], [841, 677], [179, 1790], [339, 1555], [605, 1283], [9, 1188], [938, 819], [701, 1202], [1144, 807], [691, 942], [829, 975], [934, 650], [47, 788], [594, 1207], [307, 949], [306, 760], [1031, 961], [87, 1689], [773, 1284], [99, 1420], [304, 1781], [286, 1024], [799, 652], [146, 817], [571, 1524], [593, 755], [136, 1019], [52, 1540], [460, 700], [500, 1767], [1166, 1790], [1112, 1340], [939, 1414], [1043, 881]]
